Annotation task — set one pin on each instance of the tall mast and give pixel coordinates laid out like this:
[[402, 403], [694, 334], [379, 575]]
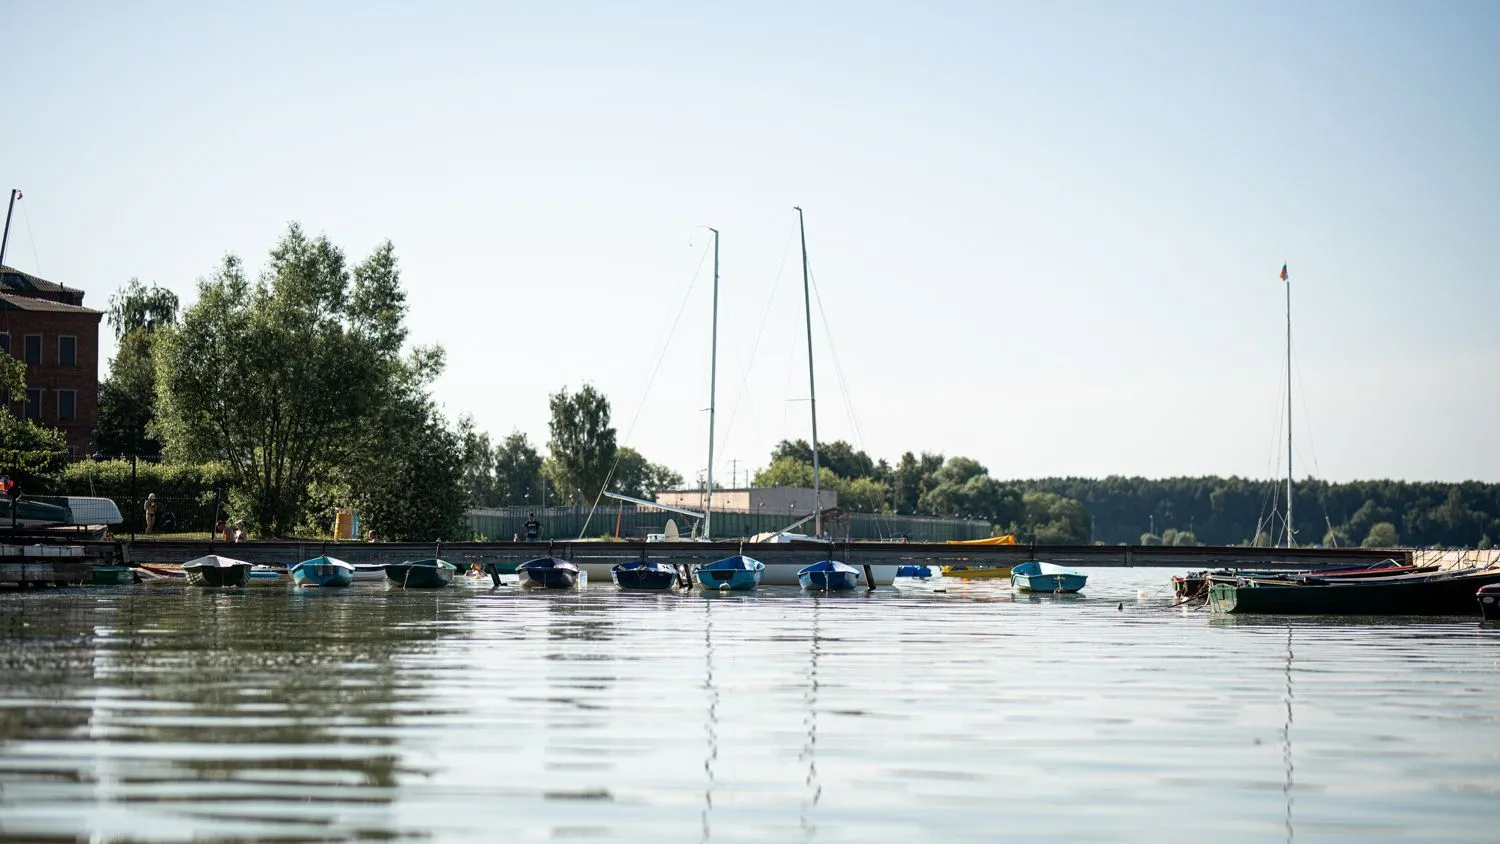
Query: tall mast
[[713, 375], [812, 389], [5, 238], [1290, 541]]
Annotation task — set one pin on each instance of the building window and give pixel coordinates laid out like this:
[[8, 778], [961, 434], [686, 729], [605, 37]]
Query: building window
[[33, 356], [5, 342], [67, 404], [67, 350], [33, 404]]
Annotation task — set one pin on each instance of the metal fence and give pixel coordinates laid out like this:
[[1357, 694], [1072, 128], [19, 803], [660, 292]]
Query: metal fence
[[631, 522]]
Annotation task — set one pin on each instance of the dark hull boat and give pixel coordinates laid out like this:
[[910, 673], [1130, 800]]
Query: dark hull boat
[[421, 574], [738, 573], [829, 576], [548, 573], [1446, 593], [1196, 584], [217, 572], [653, 576], [1489, 602]]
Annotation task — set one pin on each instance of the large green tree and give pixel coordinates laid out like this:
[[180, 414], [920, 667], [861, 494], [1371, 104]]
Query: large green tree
[[285, 377], [1054, 520], [582, 442], [518, 471], [963, 488], [639, 477]]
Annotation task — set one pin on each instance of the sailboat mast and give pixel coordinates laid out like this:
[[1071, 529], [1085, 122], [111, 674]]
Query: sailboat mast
[[1289, 539], [812, 389], [713, 375]]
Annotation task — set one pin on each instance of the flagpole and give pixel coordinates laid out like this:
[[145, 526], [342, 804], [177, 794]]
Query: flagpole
[[1290, 541], [4, 239]]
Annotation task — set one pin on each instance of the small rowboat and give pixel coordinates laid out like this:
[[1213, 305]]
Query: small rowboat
[[978, 572], [215, 571], [732, 573], [829, 576], [1489, 602], [643, 575], [322, 571], [548, 573], [430, 573], [1443, 593], [112, 575], [1034, 576]]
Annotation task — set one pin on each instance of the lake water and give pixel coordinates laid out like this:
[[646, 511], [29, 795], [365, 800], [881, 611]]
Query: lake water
[[164, 712]]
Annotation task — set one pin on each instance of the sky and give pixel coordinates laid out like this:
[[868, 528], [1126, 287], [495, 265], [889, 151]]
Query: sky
[[1046, 236]]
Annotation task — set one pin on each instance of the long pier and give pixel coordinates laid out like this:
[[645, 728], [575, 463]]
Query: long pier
[[778, 553]]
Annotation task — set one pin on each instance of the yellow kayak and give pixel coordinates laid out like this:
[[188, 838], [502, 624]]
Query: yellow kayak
[[980, 572], [1007, 539]]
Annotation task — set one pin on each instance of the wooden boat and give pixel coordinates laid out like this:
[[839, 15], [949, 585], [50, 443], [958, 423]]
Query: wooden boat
[[369, 571], [736, 573], [829, 576], [421, 574], [1196, 584], [1489, 602], [643, 575], [1035, 576], [322, 571], [263, 574], [978, 572], [1443, 593], [548, 573], [216, 571], [112, 575]]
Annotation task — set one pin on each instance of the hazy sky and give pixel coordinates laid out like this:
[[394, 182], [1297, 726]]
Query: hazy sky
[[1043, 235]]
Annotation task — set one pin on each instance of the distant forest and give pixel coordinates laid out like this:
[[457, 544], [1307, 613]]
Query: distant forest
[[1228, 511], [1170, 511]]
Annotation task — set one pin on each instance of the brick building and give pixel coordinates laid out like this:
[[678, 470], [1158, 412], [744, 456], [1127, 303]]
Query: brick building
[[46, 326]]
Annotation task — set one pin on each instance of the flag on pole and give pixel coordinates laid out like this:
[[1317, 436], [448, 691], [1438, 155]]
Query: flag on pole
[[18, 193], [1283, 272]]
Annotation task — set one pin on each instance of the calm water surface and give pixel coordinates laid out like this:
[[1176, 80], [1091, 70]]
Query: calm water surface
[[164, 712]]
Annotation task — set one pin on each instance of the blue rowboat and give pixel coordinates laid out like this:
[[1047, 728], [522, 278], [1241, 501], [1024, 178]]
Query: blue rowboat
[[738, 573], [548, 573], [829, 576], [1034, 576], [322, 571], [643, 575], [918, 572], [421, 574]]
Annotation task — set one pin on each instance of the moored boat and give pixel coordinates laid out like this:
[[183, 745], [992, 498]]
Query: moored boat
[[643, 575], [216, 571], [829, 576], [322, 571], [1442, 593], [112, 575], [430, 573], [978, 572], [1196, 584], [548, 573], [737, 573], [1489, 602], [1036, 576]]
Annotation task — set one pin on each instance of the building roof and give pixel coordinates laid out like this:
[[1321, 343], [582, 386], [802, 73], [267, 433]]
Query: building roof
[[20, 283], [9, 302]]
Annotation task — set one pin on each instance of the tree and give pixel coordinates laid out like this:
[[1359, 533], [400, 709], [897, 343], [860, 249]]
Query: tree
[[912, 478], [582, 443], [636, 476], [136, 307], [864, 495], [1382, 535], [409, 481], [127, 398], [1055, 520], [518, 470], [792, 472], [27, 450], [839, 456], [964, 488], [479, 465], [283, 377]]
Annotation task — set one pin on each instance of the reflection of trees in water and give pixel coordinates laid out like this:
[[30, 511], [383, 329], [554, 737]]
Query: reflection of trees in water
[[45, 657], [263, 665]]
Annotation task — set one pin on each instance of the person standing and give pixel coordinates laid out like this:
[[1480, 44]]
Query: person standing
[[240, 534], [151, 513], [533, 528]]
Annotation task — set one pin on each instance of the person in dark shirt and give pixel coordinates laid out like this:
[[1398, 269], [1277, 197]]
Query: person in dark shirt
[[533, 528]]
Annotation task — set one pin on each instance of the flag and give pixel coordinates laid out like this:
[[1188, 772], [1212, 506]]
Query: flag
[[18, 194], [1283, 272]]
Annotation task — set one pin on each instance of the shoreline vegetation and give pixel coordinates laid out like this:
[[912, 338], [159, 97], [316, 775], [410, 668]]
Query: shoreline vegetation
[[241, 406]]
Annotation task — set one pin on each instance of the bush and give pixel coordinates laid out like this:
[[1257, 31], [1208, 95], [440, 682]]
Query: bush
[[186, 491]]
